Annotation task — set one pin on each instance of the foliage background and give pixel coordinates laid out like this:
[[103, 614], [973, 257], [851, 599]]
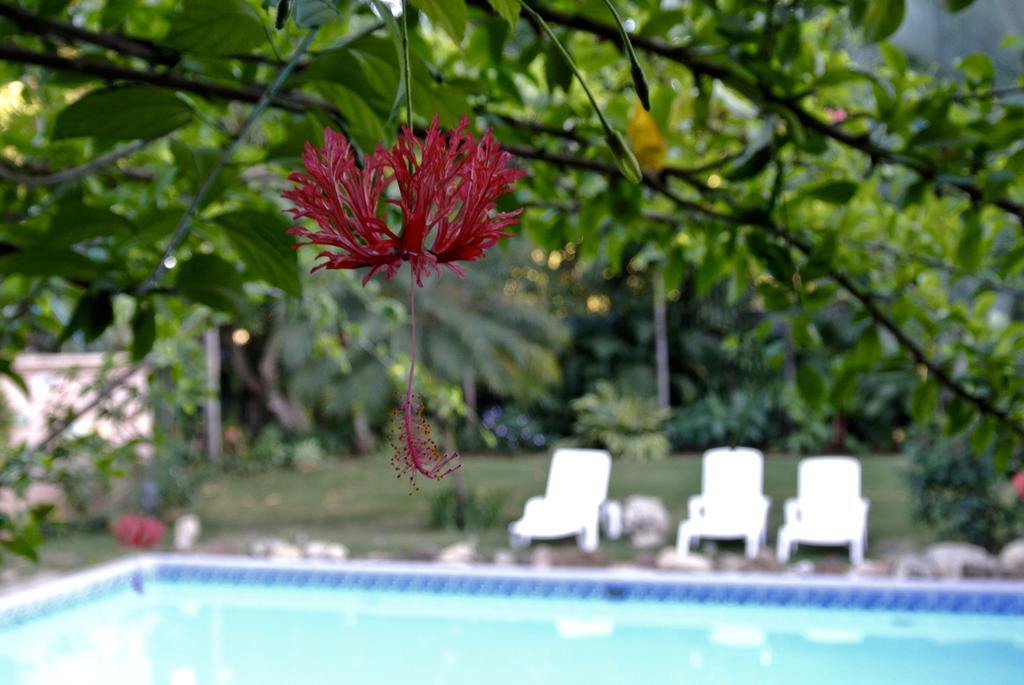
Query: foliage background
[[830, 251]]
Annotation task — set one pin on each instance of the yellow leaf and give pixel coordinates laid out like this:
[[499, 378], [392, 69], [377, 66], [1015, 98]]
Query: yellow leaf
[[646, 139]]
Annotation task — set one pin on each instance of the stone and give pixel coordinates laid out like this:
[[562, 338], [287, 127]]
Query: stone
[[1011, 559], [831, 566], [730, 562], [960, 559], [504, 557], [187, 529], [912, 566], [425, 553], [872, 568], [669, 559], [804, 567], [274, 548], [462, 552], [764, 562], [326, 551], [541, 557], [645, 520]]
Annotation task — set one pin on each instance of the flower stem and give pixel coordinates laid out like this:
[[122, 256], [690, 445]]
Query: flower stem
[[408, 79], [572, 64], [636, 71], [412, 339]]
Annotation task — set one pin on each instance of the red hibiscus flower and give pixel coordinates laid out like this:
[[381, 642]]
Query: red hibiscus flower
[[447, 188], [1018, 484], [132, 530], [447, 185]]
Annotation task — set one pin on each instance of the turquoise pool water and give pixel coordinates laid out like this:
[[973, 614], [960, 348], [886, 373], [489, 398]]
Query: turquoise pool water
[[182, 633]]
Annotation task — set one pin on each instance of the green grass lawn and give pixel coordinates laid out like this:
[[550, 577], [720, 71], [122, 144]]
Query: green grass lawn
[[361, 504]]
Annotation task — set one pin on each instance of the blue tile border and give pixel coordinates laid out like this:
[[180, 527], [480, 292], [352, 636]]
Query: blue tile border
[[68, 599], [917, 597], [933, 598]]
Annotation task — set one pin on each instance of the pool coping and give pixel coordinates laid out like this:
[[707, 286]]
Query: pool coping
[[19, 604]]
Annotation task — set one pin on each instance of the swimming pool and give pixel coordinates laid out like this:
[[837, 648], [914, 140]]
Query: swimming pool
[[166, 620]]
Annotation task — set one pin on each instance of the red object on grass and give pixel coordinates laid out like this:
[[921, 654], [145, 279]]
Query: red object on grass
[[133, 530], [1018, 484], [448, 185]]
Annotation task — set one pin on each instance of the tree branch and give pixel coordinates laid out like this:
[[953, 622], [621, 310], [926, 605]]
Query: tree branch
[[73, 173], [700, 64], [291, 101], [120, 43], [185, 224]]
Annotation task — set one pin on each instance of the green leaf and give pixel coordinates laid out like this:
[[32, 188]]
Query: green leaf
[[957, 5], [811, 386], [982, 435], [210, 280], [894, 58], [923, 401], [260, 239], [508, 9], [115, 11], [969, 249], [363, 124], [450, 15], [143, 330], [310, 13], [958, 416], [39, 261], [122, 113], [557, 71], [979, 69], [195, 164], [92, 315], [882, 18], [7, 369], [21, 547], [755, 158], [75, 222], [223, 27], [833, 192]]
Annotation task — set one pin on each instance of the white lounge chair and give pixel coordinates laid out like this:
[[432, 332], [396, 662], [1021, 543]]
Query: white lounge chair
[[828, 508], [731, 504], [577, 489]]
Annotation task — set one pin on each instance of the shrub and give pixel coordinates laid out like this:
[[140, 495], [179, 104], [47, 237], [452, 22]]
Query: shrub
[[307, 455], [269, 451], [626, 425], [481, 509], [961, 494], [715, 420]]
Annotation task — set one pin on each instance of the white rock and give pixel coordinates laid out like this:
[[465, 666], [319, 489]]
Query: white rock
[[646, 520], [504, 557], [957, 559], [670, 560], [187, 529], [1011, 559], [913, 566], [541, 557], [285, 550], [274, 548], [801, 568], [329, 551], [462, 552]]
